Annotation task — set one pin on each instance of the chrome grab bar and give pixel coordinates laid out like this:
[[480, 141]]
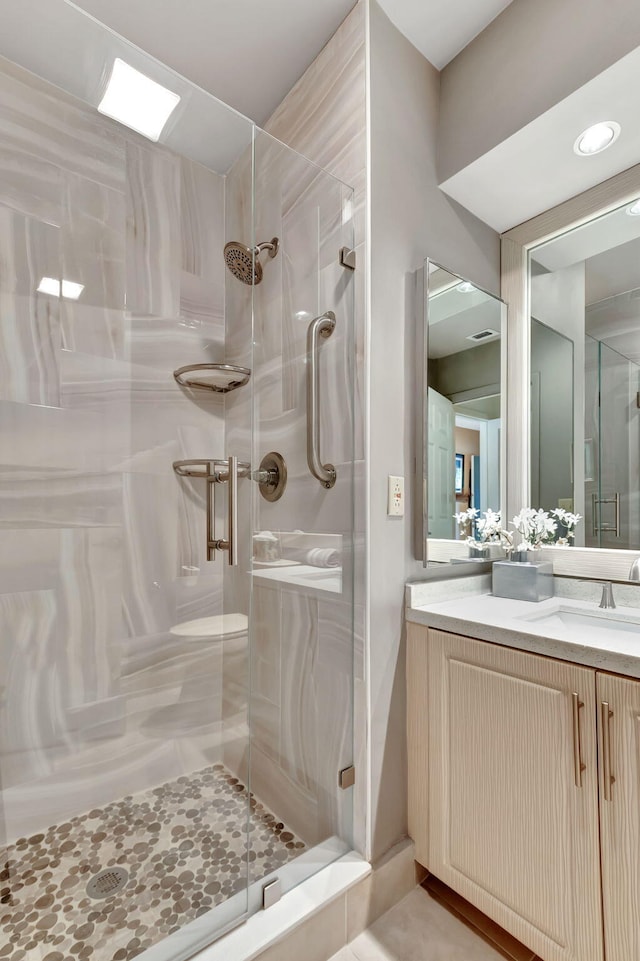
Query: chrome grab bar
[[322, 326]]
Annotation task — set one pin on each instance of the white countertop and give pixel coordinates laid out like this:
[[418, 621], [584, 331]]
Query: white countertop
[[518, 624]]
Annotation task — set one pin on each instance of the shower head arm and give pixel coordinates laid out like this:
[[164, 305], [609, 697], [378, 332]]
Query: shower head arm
[[271, 246]]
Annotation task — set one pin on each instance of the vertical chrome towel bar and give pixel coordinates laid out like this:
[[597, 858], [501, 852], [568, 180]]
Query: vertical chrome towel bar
[[231, 544], [218, 472], [322, 326]]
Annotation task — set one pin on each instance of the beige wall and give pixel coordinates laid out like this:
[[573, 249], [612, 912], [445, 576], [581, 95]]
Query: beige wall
[[410, 219]]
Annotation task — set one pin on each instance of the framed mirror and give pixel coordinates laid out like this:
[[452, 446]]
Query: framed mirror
[[460, 428], [572, 280]]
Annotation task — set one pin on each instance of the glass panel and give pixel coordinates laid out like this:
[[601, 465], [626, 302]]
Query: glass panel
[[126, 813], [302, 631]]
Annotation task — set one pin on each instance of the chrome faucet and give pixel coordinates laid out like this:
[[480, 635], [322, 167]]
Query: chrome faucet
[[634, 573], [607, 600]]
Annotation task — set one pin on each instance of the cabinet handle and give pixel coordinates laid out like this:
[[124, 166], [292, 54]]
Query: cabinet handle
[[578, 765], [607, 776]]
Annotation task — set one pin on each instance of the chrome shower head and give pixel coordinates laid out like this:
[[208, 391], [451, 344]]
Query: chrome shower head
[[243, 262]]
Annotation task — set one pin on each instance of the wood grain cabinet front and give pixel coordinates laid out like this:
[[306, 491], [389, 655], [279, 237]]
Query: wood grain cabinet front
[[619, 748], [504, 797]]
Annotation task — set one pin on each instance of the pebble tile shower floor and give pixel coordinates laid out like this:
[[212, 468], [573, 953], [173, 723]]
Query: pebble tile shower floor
[[184, 846]]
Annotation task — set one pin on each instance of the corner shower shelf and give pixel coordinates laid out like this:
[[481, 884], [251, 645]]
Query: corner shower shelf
[[218, 377]]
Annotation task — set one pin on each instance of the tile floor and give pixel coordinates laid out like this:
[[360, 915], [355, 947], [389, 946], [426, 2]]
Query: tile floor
[[184, 848], [418, 929]]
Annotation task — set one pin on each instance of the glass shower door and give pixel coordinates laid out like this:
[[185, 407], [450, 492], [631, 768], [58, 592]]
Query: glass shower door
[[301, 697]]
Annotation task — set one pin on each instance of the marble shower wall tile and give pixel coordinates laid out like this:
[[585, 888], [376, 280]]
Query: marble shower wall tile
[[29, 705], [30, 185], [150, 553], [93, 254], [153, 231], [102, 550], [29, 560], [30, 330], [42, 438], [202, 222], [93, 241], [202, 205], [167, 343], [40, 120], [300, 717], [238, 296], [90, 616], [335, 681], [309, 121], [59, 499]]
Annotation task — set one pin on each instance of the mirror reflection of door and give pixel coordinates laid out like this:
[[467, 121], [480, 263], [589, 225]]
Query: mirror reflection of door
[[441, 458]]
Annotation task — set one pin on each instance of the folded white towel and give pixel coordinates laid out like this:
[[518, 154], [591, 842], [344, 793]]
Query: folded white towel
[[322, 557]]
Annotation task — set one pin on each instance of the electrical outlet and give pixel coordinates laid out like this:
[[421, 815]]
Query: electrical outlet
[[395, 497]]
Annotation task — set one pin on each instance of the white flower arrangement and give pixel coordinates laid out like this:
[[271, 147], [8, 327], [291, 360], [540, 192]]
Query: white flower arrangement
[[465, 521], [488, 528], [536, 528], [569, 522]]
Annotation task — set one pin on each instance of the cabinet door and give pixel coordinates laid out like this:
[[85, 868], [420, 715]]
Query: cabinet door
[[513, 819], [619, 746]]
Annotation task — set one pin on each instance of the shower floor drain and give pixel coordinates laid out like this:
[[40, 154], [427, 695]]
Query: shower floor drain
[[108, 882]]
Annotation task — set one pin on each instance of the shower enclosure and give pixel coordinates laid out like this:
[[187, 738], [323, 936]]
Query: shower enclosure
[[176, 505]]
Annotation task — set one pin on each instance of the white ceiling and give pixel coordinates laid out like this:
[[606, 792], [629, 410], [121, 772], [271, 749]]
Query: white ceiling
[[248, 53], [536, 168], [440, 29]]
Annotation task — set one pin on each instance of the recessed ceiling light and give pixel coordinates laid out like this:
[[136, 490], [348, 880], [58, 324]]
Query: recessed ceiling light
[[634, 209], [68, 289], [465, 287], [137, 101], [597, 138]]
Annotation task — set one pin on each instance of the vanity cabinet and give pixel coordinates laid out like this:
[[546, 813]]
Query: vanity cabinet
[[504, 788], [619, 748]]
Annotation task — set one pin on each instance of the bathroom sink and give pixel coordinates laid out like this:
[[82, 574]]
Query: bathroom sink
[[578, 621]]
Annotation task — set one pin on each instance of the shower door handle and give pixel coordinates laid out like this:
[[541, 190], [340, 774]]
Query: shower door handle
[[231, 544], [322, 326]]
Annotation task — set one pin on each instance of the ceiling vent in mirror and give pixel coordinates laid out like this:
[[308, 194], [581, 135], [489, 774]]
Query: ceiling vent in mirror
[[486, 334]]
